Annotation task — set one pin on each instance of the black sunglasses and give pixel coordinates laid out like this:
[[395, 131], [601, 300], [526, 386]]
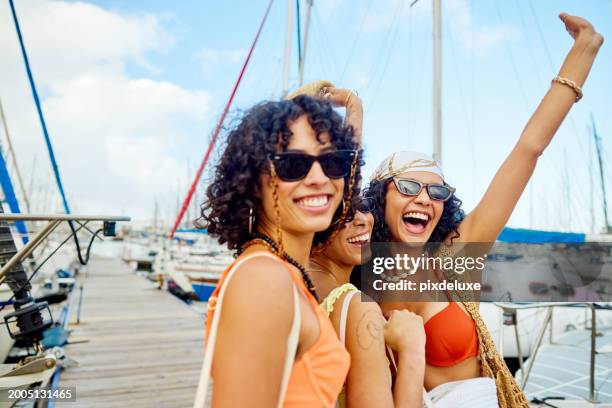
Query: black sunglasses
[[411, 187], [363, 204], [294, 166]]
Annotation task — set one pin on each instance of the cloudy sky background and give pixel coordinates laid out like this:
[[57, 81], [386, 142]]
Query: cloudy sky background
[[131, 92]]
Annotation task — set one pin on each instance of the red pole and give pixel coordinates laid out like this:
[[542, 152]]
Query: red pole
[[218, 128]]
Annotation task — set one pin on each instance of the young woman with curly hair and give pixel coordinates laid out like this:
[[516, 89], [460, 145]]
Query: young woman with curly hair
[[283, 184], [413, 204], [359, 324]]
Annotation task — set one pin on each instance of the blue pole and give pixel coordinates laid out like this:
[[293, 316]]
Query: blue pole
[[11, 198], [39, 110]]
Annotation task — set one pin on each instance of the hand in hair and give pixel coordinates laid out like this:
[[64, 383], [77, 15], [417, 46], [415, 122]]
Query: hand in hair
[[340, 98], [346, 98]]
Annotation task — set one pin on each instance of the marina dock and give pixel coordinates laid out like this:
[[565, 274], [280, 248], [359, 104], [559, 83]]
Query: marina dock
[[145, 347]]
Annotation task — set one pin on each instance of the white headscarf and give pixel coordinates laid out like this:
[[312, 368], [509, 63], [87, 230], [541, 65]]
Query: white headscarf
[[401, 162]]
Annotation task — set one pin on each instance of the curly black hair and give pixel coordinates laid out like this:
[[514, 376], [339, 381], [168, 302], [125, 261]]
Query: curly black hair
[[376, 192], [452, 215], [258, 134]]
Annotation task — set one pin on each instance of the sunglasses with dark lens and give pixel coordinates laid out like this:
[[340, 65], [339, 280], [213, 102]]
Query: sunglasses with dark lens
[[411, 187], [294, 166], [363, 204]]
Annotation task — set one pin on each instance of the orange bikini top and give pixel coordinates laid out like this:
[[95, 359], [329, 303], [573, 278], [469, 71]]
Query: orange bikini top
[[318, 375], [451, 337]]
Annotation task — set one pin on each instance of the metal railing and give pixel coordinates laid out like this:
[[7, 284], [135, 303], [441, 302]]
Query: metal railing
[[513, 307], [53, 221]]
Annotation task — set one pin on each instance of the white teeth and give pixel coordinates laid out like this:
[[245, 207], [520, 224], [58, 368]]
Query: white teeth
[[359, 238], [319, 201], [418, 215]]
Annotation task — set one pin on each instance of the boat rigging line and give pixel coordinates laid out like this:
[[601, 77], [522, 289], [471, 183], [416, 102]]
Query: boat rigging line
[[218, 127], [598, 148], [393, 33], [305, 41], [11, 152], [58, 178], [355, 39]]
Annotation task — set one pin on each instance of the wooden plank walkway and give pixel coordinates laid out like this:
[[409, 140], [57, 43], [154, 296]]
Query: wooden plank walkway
[[145, 346]]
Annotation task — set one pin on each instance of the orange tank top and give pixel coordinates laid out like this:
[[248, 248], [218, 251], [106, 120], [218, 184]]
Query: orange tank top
[[451, 337], [318, 375]]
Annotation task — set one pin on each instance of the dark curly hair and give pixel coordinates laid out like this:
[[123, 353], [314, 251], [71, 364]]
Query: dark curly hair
[[452, 215], [258, 134], [376, 192]]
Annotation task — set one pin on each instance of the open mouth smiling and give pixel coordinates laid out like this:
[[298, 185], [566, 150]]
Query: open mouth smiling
[[416, 221], [359, 240]]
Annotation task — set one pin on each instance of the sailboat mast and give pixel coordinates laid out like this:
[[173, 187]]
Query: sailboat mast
[[601, 174], [288, 47], [591, 187], [437, 81], [11, 151]]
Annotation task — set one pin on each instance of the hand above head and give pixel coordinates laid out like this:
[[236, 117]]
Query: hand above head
[[579, 28], [346, 98], [340, 97], [404, 332], [313, 89]]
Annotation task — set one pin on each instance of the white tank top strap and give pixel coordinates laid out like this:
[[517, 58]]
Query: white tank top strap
[[344, 314], [204, 390]]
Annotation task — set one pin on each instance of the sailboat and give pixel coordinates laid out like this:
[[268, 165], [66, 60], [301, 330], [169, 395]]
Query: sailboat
[[10, 197]]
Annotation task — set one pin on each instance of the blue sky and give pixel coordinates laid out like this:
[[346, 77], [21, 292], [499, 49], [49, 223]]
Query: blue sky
[[132, 91]]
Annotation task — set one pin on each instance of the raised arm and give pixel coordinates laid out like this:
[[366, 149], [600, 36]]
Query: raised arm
[[252, 338], [491, 214], [348, 99], [405, 334], [368, 383]]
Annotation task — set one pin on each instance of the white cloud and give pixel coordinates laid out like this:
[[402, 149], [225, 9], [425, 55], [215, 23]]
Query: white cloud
[[210, 60], [382, 14], [478, 39], [120, 141], [211, 56]]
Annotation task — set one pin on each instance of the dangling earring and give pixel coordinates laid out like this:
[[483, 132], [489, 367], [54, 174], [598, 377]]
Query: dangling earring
[[274, 184], [251, 221]]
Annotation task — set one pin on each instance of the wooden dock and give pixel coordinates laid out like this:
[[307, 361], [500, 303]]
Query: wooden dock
[[145, 346]]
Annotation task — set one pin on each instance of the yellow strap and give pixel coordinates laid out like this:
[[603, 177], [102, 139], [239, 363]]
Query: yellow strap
[[328, 303]]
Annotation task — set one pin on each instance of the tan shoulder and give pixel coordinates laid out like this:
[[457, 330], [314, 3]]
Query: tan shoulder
[[362, 304], [262, 283]]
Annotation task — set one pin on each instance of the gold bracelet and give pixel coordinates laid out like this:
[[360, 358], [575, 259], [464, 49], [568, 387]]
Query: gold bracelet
[[351, 92], [568, 82]]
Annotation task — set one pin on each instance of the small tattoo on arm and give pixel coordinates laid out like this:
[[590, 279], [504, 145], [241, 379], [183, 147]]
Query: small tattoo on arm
[[369, 330]]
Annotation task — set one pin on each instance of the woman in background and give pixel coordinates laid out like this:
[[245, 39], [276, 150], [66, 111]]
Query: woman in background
[[360, 325], [414, 204]]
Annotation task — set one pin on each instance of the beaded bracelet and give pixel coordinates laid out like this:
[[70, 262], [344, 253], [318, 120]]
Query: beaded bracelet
[[568, 82]]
